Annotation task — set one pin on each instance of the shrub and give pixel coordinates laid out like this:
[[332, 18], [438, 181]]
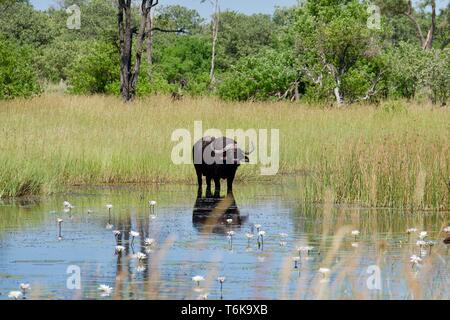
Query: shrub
[[95, 70], [268, 74], [17, 76]]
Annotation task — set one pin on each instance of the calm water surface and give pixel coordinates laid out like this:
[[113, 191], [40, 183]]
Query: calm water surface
[[191, 239]]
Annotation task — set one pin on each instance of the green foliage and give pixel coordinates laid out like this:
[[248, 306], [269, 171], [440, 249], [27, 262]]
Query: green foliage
[[178, 17], [17, 76], [241, 35], [95, 70], [258, 77], [19, 22], [334, 42], [187, 58], [54, 60], [436, 74], [326, 46]]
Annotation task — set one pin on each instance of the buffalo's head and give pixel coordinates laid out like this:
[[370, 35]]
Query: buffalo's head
[[232, 154]]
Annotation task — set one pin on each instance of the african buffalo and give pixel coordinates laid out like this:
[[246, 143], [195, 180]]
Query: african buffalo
[[216, 159]]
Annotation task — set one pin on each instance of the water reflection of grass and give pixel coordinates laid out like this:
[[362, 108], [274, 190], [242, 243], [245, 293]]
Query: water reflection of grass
[[365, 155]]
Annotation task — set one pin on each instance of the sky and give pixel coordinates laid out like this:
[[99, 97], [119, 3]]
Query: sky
[[205, 9]]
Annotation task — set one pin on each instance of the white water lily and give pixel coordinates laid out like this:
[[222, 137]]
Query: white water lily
[[25, 287], [283, 243], [149, 242], [324, 271], [296, 260], [60, 221], [355, 233], [249, 236], [134, 234], [109, 206], [221, 279], [105, 289], [415, 259], [423, 235], [116, 233], [306, 249], [140, 268], [141, 256], [152, 203], [230, 233], [203, 297], [447, 229], [67, 204], [120, 249], [420, 243], [229, 221], [16, 295], [411, 230], [257, 226], [261, 233], [198, 279], [109, 226]]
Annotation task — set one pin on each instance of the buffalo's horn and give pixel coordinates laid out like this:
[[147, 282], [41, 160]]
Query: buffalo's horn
[[228, 147]]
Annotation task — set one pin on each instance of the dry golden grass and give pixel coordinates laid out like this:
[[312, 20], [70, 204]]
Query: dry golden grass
[[395, 155]]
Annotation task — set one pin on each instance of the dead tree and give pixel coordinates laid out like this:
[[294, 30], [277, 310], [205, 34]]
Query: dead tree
[[426, 42], [128, 73], [215, 36]]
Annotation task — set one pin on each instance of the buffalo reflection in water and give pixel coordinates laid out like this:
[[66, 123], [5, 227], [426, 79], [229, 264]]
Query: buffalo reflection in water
[[211, 214]]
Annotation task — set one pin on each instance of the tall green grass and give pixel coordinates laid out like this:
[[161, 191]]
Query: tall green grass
[[395, 155]]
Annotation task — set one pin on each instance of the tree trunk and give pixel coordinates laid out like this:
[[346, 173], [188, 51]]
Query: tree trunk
[[139, 48], [214, 41], [426, 43], [296, 92], [430, 36], [128, 74], [150, 43], [337, 93], [125, 39]]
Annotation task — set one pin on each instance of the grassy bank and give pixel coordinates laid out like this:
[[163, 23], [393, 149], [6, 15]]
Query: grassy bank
[[395, 155]]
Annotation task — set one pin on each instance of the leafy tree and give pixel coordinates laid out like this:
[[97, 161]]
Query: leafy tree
[[405, 64], [178, 17], [269, 74], [186, 59], [96, 70], [17, 76], [19, 22], [436, 74], [332, 39], [241, 35]]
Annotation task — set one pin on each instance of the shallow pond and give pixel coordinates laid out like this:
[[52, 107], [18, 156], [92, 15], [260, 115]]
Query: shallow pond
[[192, 238]]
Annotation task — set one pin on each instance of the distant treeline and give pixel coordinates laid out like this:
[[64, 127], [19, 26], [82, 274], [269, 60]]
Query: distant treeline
[[326, 51]]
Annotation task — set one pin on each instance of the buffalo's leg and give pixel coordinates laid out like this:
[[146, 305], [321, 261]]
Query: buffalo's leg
[[208, 187], [199, 180], [216, 187], [230, 183]]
